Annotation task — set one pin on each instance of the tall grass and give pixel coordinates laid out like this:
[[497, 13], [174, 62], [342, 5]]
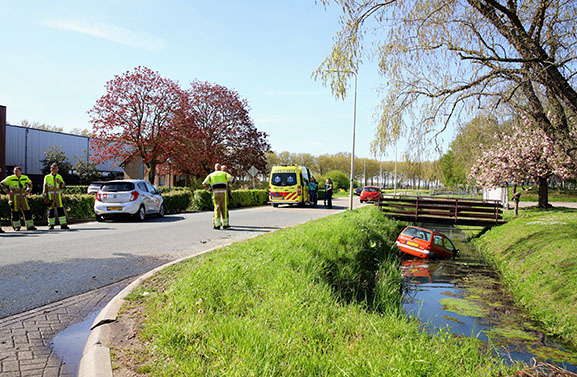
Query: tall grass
[[537, 255], [320, 299]]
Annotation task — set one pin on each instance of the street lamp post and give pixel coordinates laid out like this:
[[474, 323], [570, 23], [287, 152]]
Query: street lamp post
[[169, 161], [351, 189]]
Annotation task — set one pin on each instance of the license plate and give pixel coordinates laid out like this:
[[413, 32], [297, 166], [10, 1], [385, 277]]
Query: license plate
[[113, 208], [410, 243]]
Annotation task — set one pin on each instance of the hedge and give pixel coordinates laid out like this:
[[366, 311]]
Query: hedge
[[77, 207], [80, 206]]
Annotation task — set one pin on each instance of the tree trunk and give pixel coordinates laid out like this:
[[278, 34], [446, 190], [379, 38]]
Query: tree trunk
[[543, 192]]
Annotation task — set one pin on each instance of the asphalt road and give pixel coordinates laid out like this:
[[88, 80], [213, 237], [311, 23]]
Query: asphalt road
[[41, 267]]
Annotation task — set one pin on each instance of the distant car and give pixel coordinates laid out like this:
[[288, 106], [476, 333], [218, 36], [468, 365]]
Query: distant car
[[425, 243], [94, 187], [136, 198], [370, 194], [358, 190]]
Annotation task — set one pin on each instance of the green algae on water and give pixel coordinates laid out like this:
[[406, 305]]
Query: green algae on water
[[464, 307]]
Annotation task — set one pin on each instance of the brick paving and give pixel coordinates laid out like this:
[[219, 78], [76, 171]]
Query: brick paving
[[26, 338]]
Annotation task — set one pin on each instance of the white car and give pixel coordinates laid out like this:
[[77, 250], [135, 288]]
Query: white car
[[128, 197]]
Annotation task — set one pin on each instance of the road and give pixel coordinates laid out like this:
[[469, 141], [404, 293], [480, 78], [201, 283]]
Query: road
[[41, 267]]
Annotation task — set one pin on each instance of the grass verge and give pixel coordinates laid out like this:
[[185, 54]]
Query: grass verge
[[320, 299], [536, 254]]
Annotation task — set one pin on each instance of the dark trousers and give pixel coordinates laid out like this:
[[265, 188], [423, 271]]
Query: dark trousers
[[329, 199], [314, 198]]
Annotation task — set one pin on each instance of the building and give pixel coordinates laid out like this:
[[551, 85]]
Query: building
[[25, 147]]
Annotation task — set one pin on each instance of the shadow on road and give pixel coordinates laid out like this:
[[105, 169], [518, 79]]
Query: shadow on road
[[247, 228]]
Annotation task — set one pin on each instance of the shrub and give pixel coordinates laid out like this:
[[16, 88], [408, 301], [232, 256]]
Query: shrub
[[177, 201], [340, 180]]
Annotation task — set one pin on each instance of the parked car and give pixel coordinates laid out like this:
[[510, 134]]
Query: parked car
[[358, 190], [137, 198], [425, 243], [94, 187], [370, 194]]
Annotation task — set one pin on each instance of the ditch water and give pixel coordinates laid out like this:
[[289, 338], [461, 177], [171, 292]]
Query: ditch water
[[466, 296]]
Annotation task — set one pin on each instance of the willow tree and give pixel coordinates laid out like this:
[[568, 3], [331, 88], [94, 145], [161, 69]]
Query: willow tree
[[443, 59]]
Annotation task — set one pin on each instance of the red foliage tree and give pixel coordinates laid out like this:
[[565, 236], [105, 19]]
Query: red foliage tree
[[216, 127], [135, 118]]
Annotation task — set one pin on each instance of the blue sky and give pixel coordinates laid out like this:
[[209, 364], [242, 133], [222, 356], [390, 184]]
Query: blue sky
[[58, 55]]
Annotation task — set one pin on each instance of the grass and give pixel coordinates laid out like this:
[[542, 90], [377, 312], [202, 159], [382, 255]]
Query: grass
[[537, 255], [555, 195], [320, 299]]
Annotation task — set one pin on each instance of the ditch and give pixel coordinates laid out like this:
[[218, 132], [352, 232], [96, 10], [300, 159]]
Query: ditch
[[465, 296]]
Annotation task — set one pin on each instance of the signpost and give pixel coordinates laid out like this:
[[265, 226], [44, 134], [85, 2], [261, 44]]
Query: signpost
[[253, 172]]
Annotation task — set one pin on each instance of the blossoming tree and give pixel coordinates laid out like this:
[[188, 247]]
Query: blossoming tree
[[528, 154], [135, 118]]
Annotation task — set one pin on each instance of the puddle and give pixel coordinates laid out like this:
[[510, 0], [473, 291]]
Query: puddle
[[69, 343], [466, 296]]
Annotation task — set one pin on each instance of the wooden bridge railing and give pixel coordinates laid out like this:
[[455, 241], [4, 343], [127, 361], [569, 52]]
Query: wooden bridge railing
[[443, 210]]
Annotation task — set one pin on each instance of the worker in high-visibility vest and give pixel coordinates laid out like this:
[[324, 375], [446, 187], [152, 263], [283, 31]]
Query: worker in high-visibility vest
[[18, 186], [53, 185], [218, 182]]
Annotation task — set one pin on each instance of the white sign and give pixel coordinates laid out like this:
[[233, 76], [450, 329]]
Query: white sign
[[252, 171]]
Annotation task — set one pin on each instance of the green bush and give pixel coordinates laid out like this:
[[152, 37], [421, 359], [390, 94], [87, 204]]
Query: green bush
[[340, 180], [177, 201], [81, 206], [77, 207], [77, 189]]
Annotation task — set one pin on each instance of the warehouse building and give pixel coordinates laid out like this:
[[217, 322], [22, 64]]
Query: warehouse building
[[25, 147]]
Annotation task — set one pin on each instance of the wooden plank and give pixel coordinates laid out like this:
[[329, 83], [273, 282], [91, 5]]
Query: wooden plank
[[446, 220]]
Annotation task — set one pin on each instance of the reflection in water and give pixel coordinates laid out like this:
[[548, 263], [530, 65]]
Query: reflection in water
[[466, 295]]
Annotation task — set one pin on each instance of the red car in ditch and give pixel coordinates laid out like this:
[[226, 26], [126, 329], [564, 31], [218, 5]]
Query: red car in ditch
[[425, 243]]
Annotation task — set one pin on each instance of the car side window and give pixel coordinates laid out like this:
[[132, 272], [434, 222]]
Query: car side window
[[449, 245], [142, 186], [438, 240], [150, 187]]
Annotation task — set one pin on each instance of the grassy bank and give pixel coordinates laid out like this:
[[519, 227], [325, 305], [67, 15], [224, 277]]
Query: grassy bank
[[320, 299], [537, 256]]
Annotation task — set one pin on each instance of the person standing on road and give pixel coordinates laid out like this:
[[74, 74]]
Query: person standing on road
[[329, 193], [18, 186], [53, 185], [313, 188], [224, 168], [218, 182]]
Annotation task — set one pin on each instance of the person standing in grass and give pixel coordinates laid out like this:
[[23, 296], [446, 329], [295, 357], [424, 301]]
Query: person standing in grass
[[329, 193], [217, 182], [18, 187]]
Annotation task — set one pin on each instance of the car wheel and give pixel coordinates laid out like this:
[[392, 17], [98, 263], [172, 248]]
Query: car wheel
[[161, 211], [99, 218], [141, 214], [362, 201], [275, 205]]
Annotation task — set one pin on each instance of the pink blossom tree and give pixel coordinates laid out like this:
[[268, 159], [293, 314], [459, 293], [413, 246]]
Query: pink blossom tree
[[528, 154]]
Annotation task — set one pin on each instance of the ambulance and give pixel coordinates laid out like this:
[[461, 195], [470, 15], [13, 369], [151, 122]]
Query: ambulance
[[289, 184]]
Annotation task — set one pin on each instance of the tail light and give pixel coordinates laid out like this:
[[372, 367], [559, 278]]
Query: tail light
[[99, 196], [133, 196], [299, 190]]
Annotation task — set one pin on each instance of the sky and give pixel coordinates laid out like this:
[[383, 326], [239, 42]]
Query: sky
[[56, 57]]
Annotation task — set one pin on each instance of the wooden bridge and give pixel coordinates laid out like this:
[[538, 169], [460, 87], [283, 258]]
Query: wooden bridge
[[443, 210]]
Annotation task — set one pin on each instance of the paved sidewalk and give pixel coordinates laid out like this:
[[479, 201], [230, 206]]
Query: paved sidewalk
[[26, 338]]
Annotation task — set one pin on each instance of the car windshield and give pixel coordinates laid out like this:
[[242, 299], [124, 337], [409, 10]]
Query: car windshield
[[371, 189], [117, 187], [284, 179], [417, 233]]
